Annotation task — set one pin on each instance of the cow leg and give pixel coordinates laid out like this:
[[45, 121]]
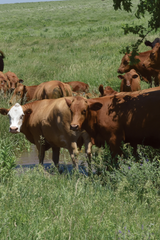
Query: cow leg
[[55, 156], [41, 154], [73, 150], [88, 149], [115, 145], [135, 154]]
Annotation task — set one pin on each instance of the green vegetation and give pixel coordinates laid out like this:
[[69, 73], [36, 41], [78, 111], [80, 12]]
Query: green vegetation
[[67, 41]]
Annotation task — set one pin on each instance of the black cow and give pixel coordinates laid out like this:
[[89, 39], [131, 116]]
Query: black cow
[[152, 44], [1, 61]]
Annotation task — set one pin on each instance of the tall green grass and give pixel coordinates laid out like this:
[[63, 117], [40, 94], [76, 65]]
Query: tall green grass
[[38, 205]]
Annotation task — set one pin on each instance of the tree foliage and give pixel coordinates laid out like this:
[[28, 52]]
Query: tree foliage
[[143, 7]]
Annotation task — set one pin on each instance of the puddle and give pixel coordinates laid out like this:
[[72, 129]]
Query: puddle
[[30, 159]]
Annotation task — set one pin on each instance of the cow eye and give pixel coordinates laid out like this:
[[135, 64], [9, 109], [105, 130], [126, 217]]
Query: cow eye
[[21, 117], [125, 62], [152, 55], [18, 93], [84, 112]]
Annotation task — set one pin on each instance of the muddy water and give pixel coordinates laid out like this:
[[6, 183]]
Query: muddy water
[[29, 158]]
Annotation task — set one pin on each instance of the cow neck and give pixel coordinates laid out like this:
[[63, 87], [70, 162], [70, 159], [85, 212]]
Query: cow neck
[[90, 122]]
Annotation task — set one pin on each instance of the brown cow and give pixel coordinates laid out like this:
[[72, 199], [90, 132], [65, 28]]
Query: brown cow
[[153, 60], [46, 123], [51, 89], [78, 86], [3, 83], [107, 91], [147, 74], [130, 81], [13, 80], [1, 61], [129, 117], [22, 94]]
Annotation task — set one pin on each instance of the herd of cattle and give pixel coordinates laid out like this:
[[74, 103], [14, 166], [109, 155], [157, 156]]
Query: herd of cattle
[[66, 115]]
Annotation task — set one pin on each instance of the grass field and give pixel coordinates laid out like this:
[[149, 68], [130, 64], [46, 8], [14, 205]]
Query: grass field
[[67, 41]]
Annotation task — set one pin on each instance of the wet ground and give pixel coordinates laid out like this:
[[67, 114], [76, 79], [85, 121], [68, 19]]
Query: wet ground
[[29, 159]]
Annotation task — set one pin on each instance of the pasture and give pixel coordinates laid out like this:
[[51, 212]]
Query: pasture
[[73, 41]]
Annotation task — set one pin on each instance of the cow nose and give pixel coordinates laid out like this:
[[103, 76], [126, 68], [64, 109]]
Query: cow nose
[[119, 71], [74, 127], [13, 129], [12, 89]]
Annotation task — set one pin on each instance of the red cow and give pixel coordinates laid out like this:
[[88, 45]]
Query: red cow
[[107, 91], [79, 86], [146, 73], [46, 123], [22, 94], [3, 83], [130, 81], [153, 60], [129, 117], [13, 80]]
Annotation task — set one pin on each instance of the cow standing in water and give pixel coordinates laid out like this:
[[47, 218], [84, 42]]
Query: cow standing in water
[[125, 117], [46, 123]]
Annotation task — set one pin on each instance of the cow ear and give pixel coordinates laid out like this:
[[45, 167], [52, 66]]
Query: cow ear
[[135, 76], [101, 90], [120, 77], [95, 106], [4, 111], [20, 81], [68, 101], [28, 111]]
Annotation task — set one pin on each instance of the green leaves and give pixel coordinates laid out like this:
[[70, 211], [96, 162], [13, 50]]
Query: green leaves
[[143, 8]]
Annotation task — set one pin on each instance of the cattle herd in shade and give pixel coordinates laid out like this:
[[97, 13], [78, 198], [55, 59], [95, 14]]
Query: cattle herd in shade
[[67, 115]]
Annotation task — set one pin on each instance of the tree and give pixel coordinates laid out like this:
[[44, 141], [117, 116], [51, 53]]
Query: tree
[[143, 7]]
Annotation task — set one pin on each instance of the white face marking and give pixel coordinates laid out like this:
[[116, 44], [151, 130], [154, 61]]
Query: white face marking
[[16, 118]]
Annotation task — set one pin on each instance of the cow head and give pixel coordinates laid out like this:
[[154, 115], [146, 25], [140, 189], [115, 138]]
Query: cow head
[[127, 80], [124, 66], [79, 108], [107, 91], [153, 61], [16, 115], [18, 94]]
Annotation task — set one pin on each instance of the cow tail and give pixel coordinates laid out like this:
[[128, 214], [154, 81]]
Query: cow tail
[[2, 54]]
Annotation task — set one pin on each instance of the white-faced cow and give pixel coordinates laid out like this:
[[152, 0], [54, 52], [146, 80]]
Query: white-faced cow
[[47, 120]]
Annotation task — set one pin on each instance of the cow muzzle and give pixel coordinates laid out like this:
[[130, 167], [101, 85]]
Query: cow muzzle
[[119, 71], [74, 127], [144, 65], [13, 129]]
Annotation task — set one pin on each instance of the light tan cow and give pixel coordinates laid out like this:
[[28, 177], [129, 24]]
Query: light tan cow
[[46, 123]]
